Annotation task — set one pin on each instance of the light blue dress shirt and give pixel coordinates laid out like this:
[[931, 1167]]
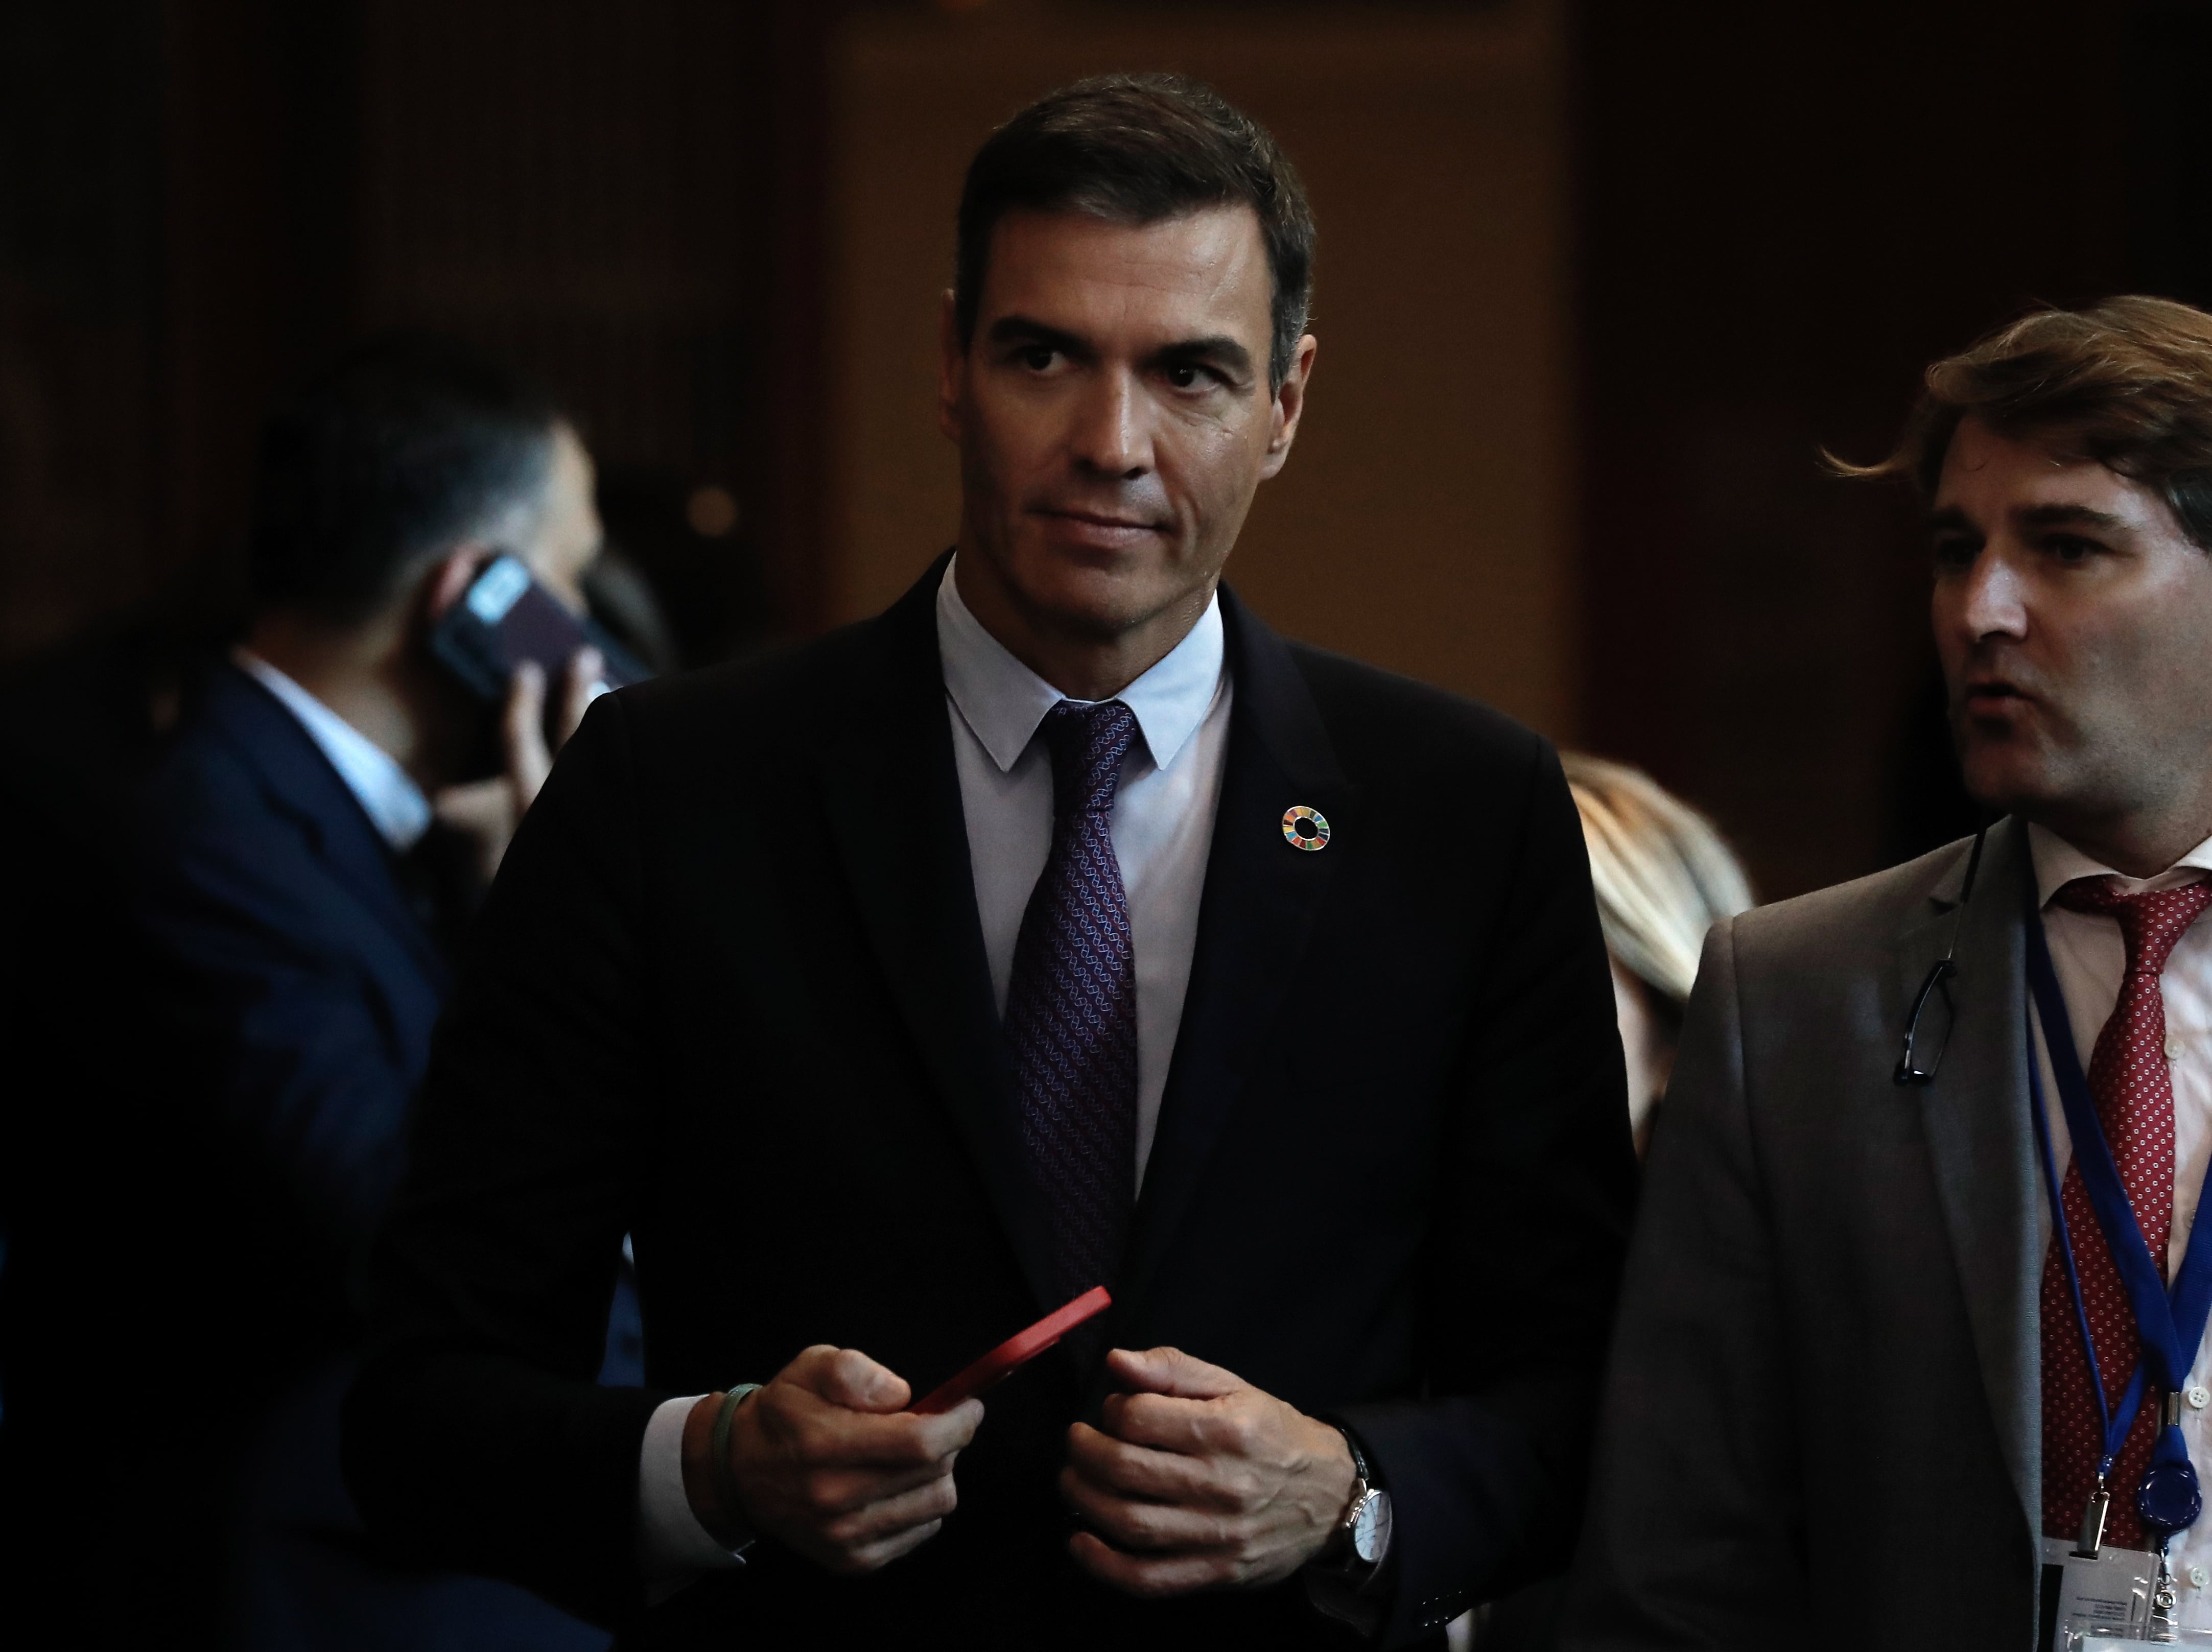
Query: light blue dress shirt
[[395, 805], [1163, 819]]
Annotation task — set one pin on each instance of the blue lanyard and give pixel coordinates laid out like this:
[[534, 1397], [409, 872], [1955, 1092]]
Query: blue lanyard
[[2169, 1325]]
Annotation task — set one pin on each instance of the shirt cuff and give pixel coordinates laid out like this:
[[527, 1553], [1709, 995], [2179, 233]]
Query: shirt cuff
[[672, 1547]]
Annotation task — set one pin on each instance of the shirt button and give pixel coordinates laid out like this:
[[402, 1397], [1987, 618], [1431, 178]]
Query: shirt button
[[2198, 1396], [2198, 1577], [2173, 1050]]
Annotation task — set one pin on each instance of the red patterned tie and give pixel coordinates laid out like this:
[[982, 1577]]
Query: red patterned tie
[[2133, 1091]]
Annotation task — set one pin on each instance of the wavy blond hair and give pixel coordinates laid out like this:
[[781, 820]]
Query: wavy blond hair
[[1663, 876]]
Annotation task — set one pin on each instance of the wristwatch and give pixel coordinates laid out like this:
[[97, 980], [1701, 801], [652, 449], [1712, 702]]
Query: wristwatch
[[1361, 1539]]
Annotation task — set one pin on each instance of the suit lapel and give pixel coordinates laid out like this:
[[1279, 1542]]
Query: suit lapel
[[1982, 1141], [298, 779], [1255, 921], [893, 797]]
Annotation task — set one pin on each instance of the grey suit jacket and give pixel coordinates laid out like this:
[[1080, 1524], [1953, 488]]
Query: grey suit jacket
[[1822, 1414]]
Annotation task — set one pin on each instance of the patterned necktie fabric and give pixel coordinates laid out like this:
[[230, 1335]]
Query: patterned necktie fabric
[[1071, 1021], [2132, 1088]]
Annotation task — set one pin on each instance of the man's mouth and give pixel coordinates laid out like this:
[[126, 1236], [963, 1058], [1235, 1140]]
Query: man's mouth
[[1090, 534], [1106, 519], [1992, 694]]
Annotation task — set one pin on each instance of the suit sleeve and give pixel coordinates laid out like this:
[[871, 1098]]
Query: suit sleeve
[[476, 1436], [1695, 1529], [303, 1061], [1484, 1474]]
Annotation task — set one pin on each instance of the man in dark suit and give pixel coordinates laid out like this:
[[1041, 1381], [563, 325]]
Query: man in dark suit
[[313, 839], [1061, 926]]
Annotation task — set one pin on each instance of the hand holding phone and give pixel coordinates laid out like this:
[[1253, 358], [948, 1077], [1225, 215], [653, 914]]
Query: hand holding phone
[[827, 1460], [1015, 1352], [514, 643], [506, 620], [486, 812]]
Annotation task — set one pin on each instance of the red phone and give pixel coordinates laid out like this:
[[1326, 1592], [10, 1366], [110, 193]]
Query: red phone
[[1015, 1352]]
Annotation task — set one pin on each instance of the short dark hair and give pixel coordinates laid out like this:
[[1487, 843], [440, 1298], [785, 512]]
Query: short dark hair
[[403, 449], [1138, 149], [2126, 383]]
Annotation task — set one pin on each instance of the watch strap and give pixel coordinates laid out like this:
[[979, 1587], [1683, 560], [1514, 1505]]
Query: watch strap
[[1344, 1549], [1360, 1469]]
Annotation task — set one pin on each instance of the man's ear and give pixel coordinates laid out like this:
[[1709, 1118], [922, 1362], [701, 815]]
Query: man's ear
[[1289, 406], [952, 369], [450, 578]]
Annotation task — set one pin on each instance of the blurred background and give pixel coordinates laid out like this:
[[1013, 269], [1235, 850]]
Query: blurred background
[[1597, 280]]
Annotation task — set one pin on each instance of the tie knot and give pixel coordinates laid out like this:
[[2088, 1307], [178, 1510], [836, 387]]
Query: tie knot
[[2150, 923], [1087, 743]]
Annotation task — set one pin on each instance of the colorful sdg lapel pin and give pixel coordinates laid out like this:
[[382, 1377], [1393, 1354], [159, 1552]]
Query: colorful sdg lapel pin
[[1305, 828]]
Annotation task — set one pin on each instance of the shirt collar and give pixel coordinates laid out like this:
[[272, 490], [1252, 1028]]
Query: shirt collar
[[395, 805], [2058, 863], [1003, 701]]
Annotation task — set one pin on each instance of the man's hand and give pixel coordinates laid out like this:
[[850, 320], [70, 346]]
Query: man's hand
[[488, 812], [1200, 1480], [828, 1459]]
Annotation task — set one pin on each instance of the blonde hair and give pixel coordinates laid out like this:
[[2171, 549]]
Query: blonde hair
[[1663, 876]]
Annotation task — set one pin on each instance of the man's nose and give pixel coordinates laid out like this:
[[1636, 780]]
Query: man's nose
[[1992, 602], [1113, 429]]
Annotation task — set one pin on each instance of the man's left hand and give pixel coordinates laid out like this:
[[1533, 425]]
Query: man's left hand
[[1199, 1480]]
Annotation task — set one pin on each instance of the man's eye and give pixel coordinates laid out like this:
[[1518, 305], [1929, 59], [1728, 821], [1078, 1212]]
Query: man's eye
[[1037, 358], [1952, 555], [2068, 548], [1184, 376]]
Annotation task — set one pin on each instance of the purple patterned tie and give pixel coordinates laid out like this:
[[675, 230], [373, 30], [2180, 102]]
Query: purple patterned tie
[[1072, 1005]]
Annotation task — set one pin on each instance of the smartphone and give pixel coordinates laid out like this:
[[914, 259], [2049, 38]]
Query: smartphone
[[506, 618], [1016, 1352]]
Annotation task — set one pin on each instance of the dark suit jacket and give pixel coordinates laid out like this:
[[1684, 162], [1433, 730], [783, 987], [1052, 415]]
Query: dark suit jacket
[[1823, 1419], [291, 985], [296, 980], [731, 996]]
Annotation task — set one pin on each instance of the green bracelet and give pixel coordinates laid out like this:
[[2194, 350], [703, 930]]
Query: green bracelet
[[718, 1452]]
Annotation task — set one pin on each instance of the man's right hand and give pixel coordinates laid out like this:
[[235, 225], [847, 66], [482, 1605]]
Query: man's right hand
[[828, 1459], [487, 812]]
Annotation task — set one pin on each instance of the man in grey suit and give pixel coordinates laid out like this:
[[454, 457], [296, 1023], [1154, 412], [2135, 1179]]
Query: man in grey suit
[[1851, 1400]]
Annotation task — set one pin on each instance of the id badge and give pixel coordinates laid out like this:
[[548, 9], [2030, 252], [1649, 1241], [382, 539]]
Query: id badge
[[2107, 1605], [2101, 1599]]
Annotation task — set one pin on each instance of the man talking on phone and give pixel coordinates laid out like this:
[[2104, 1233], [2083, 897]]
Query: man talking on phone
[[314, 839], [1061, 927]]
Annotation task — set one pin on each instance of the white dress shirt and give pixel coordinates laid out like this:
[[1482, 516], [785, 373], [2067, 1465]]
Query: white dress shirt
[[1163, 818], [395, 805], [2089, 958], [1163, 828]]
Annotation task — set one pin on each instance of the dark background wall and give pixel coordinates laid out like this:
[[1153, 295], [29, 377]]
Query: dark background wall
[[201, 199], [1779, 214], [1787, 211], [1426, 519], [80, 304]]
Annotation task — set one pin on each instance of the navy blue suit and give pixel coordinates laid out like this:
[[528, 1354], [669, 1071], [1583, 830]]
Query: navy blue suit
[[731, 995], [294, 973]]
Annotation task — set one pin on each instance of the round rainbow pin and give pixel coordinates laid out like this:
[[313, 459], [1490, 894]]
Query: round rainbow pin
[[1305, 828]]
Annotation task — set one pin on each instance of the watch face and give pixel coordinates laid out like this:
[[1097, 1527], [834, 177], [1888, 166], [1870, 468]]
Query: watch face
[[1370, 1528]]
